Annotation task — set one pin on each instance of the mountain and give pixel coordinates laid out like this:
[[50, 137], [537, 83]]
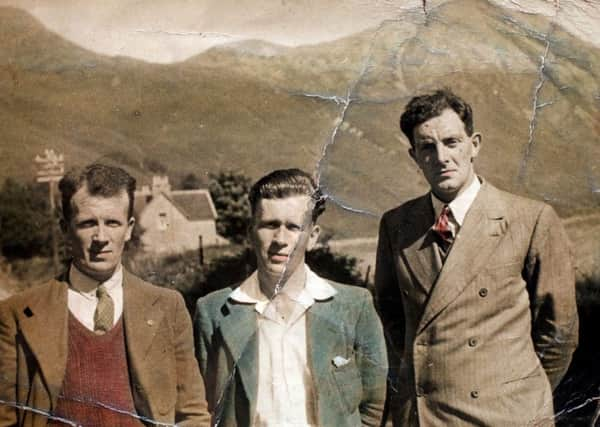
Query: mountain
[[253, 107]]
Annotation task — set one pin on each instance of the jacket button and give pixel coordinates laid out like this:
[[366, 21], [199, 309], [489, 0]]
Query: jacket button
[[483, 292], [420, 391], [405, 291], [474, 394], [472, 342]]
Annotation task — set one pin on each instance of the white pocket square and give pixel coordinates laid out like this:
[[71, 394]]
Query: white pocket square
[[339, 361]]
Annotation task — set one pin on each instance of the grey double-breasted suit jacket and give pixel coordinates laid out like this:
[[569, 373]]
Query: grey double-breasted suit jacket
[[486, 339], [344, 325], [165, 379]]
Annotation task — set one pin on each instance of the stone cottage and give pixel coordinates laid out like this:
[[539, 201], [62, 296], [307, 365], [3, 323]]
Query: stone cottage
[[175, 221]]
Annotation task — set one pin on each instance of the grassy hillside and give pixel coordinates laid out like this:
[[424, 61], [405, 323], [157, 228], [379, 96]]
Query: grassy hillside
[[253, 107]]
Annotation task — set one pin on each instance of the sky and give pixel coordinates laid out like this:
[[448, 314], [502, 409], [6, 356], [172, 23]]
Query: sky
[[166, 31]]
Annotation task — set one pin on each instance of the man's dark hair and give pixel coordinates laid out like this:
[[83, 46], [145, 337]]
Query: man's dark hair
[[424, 107], [284, 183], [100, 180]]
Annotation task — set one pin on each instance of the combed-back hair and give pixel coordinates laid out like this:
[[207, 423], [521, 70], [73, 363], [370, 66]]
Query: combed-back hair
[[100, 180], [284, 183], [424, 107]]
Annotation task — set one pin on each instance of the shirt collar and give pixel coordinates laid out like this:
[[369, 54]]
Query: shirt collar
[[87, 286], [460, 205], [315, 289]]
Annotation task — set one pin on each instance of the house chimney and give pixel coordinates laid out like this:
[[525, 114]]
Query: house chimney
[[160, 184]]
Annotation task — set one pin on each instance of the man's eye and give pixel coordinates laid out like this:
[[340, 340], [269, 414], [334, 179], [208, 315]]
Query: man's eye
[[86, 224], [113, 223], [427, 147], [294, 227], [452, 142]]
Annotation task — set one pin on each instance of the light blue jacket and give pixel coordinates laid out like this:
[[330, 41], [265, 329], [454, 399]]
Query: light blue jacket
[[344, 325]]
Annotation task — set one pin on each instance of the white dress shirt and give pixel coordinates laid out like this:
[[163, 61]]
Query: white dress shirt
[[82, 299], [459, 206], [285, 387]]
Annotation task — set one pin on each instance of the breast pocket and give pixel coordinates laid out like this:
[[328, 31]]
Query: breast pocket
[[347, 379], [504, 277]]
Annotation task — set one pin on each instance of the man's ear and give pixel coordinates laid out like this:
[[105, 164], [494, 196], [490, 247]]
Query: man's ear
[[249, 231], [64, 226], [313, 237], [476, 142], [411, 153], [130, 225]]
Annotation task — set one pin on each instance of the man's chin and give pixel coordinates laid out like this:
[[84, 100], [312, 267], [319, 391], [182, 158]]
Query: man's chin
[[97, 270], [445, 193]]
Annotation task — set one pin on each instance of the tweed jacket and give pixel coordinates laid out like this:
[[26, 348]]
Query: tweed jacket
[[166, 383], [344, 325], [486, 339]]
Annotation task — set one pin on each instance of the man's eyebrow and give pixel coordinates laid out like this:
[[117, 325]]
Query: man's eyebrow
[[423, 141], [269, 222], [86, 221], [452, 136]]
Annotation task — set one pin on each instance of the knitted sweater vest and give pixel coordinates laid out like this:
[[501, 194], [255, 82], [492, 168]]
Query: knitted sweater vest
[[96, 390]]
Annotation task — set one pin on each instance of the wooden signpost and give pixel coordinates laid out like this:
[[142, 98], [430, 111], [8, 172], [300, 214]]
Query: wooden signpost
[[51, 168]]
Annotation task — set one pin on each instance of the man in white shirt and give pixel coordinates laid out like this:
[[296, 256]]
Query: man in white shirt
[[98, 346], [474, 285], [286, 347]]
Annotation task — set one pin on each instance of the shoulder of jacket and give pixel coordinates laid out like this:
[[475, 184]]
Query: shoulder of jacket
[[151, 290], [350, 294], [406, 209], [42, 291], [518, 206], [215, 298]]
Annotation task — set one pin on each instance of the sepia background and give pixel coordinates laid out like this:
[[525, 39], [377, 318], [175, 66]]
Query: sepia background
[[199, 99]]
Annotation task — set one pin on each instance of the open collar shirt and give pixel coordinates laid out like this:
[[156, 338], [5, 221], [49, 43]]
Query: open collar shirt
[[285, 386]]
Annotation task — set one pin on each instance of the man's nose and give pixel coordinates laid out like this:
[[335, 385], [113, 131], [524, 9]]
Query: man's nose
[[280, 236], [441, 153], [100, 234]]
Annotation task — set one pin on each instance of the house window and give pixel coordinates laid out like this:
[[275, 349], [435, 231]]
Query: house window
[[163, 222]]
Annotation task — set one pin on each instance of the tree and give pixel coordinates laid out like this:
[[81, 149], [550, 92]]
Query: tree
[[191, 182], [337, 267], [25, 224], [155, 166], [229, 191]]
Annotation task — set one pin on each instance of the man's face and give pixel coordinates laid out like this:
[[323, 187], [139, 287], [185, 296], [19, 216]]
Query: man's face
[[445, 154], [97, 232], [281, 233]]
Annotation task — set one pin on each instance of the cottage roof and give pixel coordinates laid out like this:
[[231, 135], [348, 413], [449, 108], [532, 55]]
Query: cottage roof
[[195, 205]]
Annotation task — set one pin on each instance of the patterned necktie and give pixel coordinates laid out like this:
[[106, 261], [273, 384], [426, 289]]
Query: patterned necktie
[[443, 230], [105, 311]]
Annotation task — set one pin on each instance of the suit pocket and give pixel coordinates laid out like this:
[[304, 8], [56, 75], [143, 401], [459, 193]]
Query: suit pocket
[[505, 271], [529, 394], [349, 384]]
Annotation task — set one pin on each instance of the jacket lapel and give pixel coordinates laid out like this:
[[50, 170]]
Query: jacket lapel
[[45, 328], [324, 330], [417, 245], [239, 332], [142, 317], [482, 230]]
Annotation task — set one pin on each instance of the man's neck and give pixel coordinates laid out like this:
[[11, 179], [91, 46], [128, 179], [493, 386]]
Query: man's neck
[[85, 282], [270, 285], [448, 198]]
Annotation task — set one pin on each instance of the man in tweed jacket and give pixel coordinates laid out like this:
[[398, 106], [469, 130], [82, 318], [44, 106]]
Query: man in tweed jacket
[[71, 355]]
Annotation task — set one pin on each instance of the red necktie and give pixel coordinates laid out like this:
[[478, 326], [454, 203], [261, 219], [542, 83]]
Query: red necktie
[[442, 227]]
